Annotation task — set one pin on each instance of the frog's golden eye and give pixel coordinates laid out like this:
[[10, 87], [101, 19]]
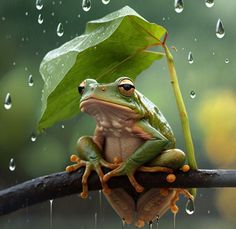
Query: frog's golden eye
[[126, 87], [81, 87]]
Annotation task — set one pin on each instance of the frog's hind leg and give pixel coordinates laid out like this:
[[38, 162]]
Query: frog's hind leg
[[152, 205], [167, 161], [122, 203]]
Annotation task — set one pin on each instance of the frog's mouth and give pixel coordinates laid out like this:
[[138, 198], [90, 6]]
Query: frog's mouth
[[98, 108]]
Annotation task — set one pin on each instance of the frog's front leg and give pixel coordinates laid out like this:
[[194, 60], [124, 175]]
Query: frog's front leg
[[154, 145], [90, 157]]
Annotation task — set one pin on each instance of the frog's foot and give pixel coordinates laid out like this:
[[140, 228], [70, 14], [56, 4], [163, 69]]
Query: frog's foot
[[153, 169], [119, 171], [174, 208], [89, 167]]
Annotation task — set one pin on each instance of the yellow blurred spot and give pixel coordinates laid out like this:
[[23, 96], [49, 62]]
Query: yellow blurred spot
[[217, 117], [225, 199]]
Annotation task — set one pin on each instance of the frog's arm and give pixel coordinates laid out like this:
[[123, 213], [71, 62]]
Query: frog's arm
[[154, 145], [159, 122]]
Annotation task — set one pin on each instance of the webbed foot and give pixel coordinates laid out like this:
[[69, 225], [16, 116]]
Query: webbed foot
[[121, 170], [89, 167]]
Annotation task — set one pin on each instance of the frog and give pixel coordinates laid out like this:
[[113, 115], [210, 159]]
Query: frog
[[131, 135]]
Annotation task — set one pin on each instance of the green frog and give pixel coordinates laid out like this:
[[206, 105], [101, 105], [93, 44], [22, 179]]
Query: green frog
[[131, 134]]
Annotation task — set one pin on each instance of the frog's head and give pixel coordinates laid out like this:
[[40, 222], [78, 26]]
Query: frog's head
[[119, 96]]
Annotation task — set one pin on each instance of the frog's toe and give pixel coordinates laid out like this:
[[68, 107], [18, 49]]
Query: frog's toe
[[107, 164], [105, 187], [140, 223], [153, 169], [139, 188], [87, 172]]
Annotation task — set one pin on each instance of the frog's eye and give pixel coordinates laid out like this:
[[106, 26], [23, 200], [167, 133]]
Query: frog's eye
[[81, 87], [126, 87]]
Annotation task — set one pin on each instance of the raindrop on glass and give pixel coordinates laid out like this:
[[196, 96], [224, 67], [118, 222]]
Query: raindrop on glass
[[33, 137], [39, 4], [190, 207], [40, 19], [220, 31], [226, 60], [30, 81], [105, 2], [179, 6], [8, 102], [86, 5], [60, 30], [192, 94], [209, 3], [190, 57], [12, 165]]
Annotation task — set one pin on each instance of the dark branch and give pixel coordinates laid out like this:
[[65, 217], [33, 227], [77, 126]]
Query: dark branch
[[63, 184]]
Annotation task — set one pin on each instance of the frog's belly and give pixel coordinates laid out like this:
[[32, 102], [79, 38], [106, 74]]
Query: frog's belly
[[121, 147]]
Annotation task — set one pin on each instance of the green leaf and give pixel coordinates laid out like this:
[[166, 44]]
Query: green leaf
[[111, 47]]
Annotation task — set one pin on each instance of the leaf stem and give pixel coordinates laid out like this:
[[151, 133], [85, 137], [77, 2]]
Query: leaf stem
[[182, 110]]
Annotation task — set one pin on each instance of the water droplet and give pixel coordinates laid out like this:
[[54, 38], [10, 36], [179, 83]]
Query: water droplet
[[150, 225], [26, 13], [163, 19], [179, 6], [60, 30], [123, 223], [51, 202], [192, 94], [33, 137], [39, 4], [95, 220], [40, 19], [105, 2], [78, 15], [226, 60], [190, 207], [30, 81], [8, 102], [3, 18], [62, 126], [208, 212], [14, 63], [209, 3], [175, 220], [12, 165], [157, 221], [190, 57], [86, 5], [53, 14], [220, 31]]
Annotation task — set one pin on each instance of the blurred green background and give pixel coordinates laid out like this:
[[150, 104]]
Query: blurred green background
[[24, 42]]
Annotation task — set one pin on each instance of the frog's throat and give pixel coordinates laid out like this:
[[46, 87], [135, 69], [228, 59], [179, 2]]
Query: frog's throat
[[90, 106]]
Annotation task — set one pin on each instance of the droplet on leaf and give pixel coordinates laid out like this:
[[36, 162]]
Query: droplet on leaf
[[12, 165], [190, 207], [60, 30], [220, 31], [40, 19], [105, 2], [179, 6], [39, 4], [86, 5], [33, 137], [192, 94], [209, 3], [30, 81], [190, 57], [8, 102]]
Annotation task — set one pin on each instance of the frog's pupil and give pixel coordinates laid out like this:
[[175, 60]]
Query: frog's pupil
[[81, 89], [127, 86]]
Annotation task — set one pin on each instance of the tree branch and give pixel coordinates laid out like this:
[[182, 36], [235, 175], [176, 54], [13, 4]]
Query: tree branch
[[62, 184]]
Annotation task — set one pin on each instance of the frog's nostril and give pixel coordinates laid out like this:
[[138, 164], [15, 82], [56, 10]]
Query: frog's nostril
[[103, 89]]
